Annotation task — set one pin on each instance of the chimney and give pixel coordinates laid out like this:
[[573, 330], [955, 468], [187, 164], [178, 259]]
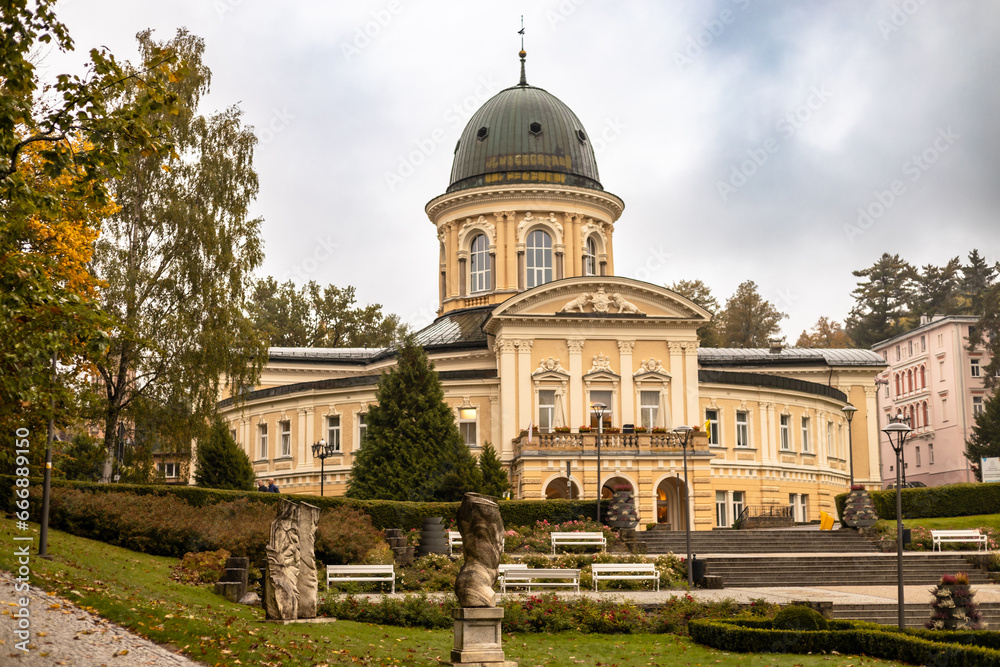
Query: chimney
[[925, 319], [775, 346]]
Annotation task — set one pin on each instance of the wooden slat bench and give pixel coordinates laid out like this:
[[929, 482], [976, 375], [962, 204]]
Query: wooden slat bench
[[454, 540], [380, 573], [969, 535], [609, 571], [539, 577], [578, 539]]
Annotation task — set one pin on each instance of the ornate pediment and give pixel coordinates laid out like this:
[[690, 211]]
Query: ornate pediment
[[600, 302]]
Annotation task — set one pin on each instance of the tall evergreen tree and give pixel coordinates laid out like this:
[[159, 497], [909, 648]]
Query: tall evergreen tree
[[413, 449], [937, 289], [985, 439], [701, 294], [881, 300], [977, 277], [221, 463], [986, 334], [495, 479], [749, 320]]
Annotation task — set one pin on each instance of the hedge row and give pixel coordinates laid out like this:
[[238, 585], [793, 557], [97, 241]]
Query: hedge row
[[918, 647], [934, 501], [384, 513]]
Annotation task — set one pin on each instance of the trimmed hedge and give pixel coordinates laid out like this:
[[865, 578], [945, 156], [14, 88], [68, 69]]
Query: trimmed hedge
[[934, 501], [384, 513], [918, 647]]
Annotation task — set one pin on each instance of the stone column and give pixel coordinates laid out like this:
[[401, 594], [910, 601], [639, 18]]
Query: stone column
[[507, 369], [869, 436], [524, 384], [677, 384], [305, 430], [500, 253], [625, 348], [576, 399]]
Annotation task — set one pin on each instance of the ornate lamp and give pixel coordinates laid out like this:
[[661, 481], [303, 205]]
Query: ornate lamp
[[599, 409], [897, 432], [321, 450], [849, 411], [684, 437]]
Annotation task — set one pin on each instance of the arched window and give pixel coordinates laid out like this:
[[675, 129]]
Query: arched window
[[927, 419], [539, 259], [897, 384], [590, 257], [479, 268], [923, 377], [909, 380]]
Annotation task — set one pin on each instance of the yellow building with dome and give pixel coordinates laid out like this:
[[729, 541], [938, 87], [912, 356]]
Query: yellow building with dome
[[534, 328]]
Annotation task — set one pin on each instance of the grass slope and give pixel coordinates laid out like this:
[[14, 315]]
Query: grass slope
[[135, 591]]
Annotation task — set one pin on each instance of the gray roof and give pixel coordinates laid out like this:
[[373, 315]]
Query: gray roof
[[462, 328], [351, 354], [726, 356]]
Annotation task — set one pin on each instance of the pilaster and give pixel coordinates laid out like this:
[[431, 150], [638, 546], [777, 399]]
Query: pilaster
[[625, 348], [524, 384], [576, 397]]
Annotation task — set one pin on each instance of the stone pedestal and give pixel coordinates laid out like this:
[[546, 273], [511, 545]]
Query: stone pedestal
[[477, 638], [233, 584]]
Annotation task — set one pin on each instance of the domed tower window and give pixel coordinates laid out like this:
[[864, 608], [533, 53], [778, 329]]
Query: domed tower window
[[482, 133], [479, 269], [538, 260], [535, 128], [590, 257]]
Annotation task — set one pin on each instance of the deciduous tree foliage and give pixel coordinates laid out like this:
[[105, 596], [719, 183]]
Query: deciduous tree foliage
[[825, 334], [985, 439], [312, 316], [177, 259], [748, 319], [413, 449], [881, 300], [701, 294], [221, 463]]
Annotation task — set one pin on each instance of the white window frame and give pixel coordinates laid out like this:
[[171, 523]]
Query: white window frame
[[977, 406], [590, 257], [469, 426], [169, 470], [713, 426], [538, 258], [362, 428], [975, 368], [262, 440], [785, 428], [333, 432], [479, 264], [721, 509], [609, 410], [739, 502], [648, 412], [930, 453], [546, 411], [286, 438], [743, 428], [805, 435]]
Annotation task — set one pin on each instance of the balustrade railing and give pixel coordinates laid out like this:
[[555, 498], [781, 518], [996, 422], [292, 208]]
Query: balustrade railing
[[610, 442]]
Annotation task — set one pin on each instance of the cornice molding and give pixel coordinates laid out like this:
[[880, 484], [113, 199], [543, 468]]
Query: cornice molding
[[442, 204]]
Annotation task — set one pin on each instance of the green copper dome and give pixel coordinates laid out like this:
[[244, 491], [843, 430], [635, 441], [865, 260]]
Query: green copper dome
[[524, 135]]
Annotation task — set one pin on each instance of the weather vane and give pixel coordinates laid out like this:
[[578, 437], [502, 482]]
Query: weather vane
[[521, 32]]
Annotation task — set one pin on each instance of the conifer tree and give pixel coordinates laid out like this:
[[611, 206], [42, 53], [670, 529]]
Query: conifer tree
[[881, 300], [413, 449], [222, 464], [985, 440], [495, 480]]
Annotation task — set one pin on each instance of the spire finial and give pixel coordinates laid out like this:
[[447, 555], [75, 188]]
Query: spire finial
[[522, 54]]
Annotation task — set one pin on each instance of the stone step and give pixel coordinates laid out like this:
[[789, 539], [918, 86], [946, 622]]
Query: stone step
[[756, 541], [914, 615]]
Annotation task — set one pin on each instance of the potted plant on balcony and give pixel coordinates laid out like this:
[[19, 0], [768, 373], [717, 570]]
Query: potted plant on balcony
[[658, 430], [641, 429], [562, 429], [612, 429], [622, 513], [584, 429]]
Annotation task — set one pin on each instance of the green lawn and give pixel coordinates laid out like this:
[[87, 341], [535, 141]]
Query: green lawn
[[956, 522], [134, 590]]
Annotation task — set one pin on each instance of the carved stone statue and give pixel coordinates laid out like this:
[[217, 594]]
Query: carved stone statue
[[623, 305], [481, 527], [578, 304], [600, 300], [290, 583], [549, 365]]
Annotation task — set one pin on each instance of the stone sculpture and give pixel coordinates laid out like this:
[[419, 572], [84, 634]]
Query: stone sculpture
[[290, 583], [578, 304], [623, 305], [481, 527]]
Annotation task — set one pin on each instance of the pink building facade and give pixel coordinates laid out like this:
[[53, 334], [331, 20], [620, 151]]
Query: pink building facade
[[937, 384]]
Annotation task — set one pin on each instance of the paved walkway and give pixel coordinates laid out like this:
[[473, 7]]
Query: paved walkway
[[64, 634]]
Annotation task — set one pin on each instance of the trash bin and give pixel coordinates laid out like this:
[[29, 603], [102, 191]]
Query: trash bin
[[907, 538], [698, 568]]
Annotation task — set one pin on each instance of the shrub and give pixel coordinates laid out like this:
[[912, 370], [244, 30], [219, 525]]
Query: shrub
[[934, 501], [797, 617], [204, 567]]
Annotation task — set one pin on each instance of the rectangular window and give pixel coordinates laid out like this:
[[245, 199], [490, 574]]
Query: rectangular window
[[805, 434], [738, 500], [467, 425], [333, 432], [712, 416], [923, 343], [831, 448], [362, 428], [546, 410], [262, 436], [918, 456], [941, 370], [742, 429], [649, 408], [793, 501], [898, 356], [940, 340], [930, 453], [974, 367], [168, 470], [911, 349], [944, 409], [604, 397], [286, 438], [804, 507], [720, 509], [786, 436], [977, 405]]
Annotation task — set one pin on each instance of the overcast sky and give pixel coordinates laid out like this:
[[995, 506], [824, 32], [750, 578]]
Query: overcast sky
[[743, 136]]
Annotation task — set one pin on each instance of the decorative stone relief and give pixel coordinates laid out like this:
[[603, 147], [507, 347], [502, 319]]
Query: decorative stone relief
[[481, 527], [601, 362], [600, 302], [623, 305], [626, 346], [576, 305], [650, 366], [555, 223], [506, 344], [290, 582], [549, 365], [575, 345]]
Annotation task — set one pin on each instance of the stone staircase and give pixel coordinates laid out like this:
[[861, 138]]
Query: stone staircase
[[858, 569], [755, 541], [914, 616]]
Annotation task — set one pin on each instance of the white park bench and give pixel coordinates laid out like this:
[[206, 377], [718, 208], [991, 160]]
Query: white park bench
[[454, 540], [969, 535], [610, 571], [341, 573], [539, 577], [578, 539]]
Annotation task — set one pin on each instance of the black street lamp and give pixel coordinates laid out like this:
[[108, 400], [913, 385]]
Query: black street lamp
[[322, 450], [684, 436], [849, 411], [598, 409], [900, 431], [900, 418]]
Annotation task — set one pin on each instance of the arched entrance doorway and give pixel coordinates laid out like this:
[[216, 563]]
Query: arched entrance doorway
[[670, 498], [557, 489], [612, 484]]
